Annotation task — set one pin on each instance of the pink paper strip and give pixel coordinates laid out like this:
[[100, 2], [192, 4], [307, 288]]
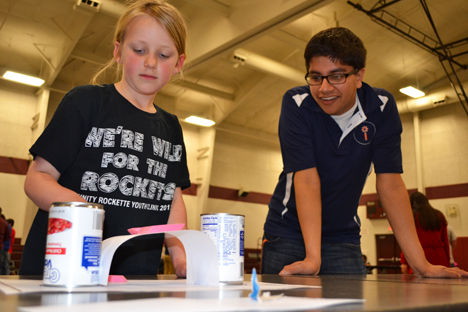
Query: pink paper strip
[[117, 279], [156, 229]]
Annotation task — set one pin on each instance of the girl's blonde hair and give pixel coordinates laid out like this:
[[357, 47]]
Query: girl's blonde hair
[[167, 15]]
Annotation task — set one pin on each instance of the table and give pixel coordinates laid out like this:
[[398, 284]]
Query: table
[[383, 269], [385, 292]]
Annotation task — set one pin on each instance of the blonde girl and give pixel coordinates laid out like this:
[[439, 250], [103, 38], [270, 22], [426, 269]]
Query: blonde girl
[[111, 144]]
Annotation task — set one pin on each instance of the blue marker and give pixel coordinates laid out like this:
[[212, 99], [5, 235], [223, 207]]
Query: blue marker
[[255, 287]]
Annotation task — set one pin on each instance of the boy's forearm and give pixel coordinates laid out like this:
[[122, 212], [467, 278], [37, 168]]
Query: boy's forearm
[[395, 200], [309, 211]]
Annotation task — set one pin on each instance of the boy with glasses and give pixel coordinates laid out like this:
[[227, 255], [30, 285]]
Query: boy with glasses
[[332, 132]]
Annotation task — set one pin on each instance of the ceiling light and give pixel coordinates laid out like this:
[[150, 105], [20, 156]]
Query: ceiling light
[[413, 92], [200, 121], [29, 80]]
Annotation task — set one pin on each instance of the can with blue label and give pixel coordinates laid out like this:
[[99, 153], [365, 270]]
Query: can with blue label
[[73, 248], [227, 232]]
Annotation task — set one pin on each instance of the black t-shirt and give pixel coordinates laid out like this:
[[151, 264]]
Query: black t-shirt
[[112, 153]]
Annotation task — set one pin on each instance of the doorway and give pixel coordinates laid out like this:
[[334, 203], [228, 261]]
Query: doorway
[[388, 254]]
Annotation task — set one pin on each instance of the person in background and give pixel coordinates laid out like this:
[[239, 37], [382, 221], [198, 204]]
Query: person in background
[[453, 244], [431, 227], [111, 143], [333, 131], [367, 263], [6, 248], [11, 222], [4, 238]]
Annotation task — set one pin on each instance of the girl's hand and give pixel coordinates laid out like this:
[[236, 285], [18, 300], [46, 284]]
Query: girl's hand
[[180, 267]]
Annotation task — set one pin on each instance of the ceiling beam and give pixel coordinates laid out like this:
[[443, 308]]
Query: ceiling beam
[[288, 38], [112, 8], [79, 19], [393, 24], [88, 57], [205, 90], [268, 66], [212, 5], [226, 35]]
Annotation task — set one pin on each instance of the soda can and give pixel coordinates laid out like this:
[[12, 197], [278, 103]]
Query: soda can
[[227, 232], [73, 249]]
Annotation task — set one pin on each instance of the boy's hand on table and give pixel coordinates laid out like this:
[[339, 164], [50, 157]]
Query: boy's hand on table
[[305, 267], [439, 271]]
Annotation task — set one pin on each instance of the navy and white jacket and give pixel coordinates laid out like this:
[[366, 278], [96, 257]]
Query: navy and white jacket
[[311, 138]]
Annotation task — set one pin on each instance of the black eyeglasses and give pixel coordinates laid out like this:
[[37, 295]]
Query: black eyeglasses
[[333, 79]]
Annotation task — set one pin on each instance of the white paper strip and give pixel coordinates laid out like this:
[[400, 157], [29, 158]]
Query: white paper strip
[[24, 286], [199, 305], [200, 251]]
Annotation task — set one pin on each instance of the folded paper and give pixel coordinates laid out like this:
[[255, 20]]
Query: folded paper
[[200, 251]]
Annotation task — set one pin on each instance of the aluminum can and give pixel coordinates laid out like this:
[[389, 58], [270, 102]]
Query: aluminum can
[[227, 232], [73, 249]]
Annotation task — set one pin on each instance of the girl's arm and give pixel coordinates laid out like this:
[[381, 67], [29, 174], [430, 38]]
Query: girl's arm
[[177, 215], [42, 187]]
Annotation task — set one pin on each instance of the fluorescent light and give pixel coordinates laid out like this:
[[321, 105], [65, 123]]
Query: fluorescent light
[[29, 80], [200, 121], [413, 92]]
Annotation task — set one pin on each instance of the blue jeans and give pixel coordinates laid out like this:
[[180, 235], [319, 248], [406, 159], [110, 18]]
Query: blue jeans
[[336, 258], [4, 263]]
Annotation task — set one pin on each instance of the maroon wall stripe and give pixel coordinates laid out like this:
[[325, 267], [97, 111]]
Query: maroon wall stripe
[[20, 166], [13, 165], [434, 192], [192, 190], [447, 191], [374, 197]]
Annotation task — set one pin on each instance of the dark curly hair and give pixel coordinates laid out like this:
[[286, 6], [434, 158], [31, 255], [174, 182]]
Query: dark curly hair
[[338, 44]]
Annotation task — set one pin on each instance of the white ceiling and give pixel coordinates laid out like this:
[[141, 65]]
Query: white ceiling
[[65, 44]]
